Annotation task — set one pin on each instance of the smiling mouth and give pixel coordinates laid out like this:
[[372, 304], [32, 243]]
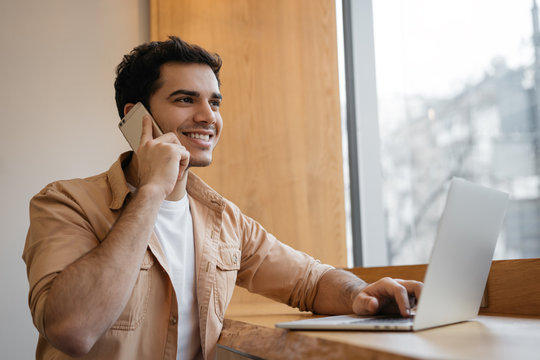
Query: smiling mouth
[[198, 136]]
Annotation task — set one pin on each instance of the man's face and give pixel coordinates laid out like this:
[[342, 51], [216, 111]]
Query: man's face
[[187, 104]]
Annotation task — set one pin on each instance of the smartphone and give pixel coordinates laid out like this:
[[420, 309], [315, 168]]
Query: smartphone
[[131, 125]]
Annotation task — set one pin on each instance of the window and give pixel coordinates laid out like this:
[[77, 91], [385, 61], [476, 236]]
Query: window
[[455, 95]]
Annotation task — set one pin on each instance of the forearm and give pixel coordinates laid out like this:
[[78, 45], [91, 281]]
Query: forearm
[[336, 292], [88, 296]]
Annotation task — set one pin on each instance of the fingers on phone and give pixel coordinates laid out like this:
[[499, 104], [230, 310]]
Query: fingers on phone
[[146, 134]]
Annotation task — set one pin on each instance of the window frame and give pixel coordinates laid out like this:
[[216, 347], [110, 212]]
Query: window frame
[[365, 169]]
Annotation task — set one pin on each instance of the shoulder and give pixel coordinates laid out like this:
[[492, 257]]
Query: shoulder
[[106, 186], [81, 197], [73, 188]]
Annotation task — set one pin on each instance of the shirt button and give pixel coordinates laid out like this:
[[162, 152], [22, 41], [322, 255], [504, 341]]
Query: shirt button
[[173, 320]]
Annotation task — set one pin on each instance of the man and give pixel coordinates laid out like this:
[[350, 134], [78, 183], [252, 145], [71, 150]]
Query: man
[[140, 262]]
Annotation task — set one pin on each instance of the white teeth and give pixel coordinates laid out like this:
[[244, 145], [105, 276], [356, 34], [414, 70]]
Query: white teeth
[[199, 136]]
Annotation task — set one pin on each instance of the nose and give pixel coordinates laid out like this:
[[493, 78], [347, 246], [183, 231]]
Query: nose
[[205, 114]]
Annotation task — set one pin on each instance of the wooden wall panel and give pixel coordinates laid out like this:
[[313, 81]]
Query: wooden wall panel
[[280, 156]]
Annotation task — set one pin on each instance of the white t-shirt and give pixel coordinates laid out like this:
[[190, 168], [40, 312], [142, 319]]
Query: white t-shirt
[[174, 230]]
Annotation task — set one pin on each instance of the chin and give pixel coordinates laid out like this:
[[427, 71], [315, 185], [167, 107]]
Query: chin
[[199, 162]]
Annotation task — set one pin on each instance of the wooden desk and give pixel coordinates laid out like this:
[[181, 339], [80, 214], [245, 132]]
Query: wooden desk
[[487, 337], [512, 289]]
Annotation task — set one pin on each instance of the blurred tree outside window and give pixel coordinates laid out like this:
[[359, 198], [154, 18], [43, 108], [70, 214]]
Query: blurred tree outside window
[[458, 86]]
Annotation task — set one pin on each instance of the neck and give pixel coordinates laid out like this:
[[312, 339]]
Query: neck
[[132, 177], [179, 190]]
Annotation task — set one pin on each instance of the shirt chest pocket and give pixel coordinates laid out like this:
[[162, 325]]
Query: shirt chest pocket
[[227, 266], [134, 312]]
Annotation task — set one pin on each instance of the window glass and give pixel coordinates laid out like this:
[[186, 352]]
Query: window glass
[[457, 96]]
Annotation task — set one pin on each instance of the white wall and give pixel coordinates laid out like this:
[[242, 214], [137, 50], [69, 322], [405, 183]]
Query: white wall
[[58, 120]]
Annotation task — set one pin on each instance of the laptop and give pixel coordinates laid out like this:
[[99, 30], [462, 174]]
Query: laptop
[[457, 272]]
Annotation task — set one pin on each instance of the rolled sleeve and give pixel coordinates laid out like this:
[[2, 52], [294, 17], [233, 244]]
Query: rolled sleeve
[[277, 271]]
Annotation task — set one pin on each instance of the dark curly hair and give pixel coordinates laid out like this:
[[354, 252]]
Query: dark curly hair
[[138, 74]]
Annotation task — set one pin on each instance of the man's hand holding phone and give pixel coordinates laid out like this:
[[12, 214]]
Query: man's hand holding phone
[[162, 160]]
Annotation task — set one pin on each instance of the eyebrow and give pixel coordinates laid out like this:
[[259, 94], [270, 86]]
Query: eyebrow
[[192, 93]]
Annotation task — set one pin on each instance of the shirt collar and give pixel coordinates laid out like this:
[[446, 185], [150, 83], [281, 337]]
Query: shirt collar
[[195, 188], [117, 180], [199, 190]]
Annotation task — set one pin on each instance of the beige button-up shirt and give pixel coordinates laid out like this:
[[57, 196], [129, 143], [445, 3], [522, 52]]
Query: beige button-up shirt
[[70, 218]]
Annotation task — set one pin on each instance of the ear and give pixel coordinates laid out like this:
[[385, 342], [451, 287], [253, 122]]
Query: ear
[[128, 107]]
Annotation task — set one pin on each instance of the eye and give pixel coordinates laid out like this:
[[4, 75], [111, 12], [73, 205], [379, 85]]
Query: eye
[[215, 103], [187, 100]]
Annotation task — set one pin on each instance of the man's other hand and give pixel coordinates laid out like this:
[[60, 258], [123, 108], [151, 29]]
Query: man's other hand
[[388, 296]]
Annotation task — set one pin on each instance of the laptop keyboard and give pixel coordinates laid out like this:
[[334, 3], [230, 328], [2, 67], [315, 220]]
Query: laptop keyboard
[[384, 320]]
